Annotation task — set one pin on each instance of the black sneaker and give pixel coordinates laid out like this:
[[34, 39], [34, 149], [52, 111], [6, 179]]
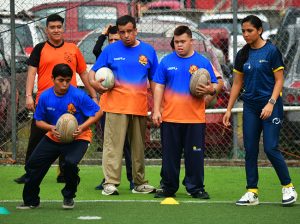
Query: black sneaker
[[60, 179], [163, 194], [21, 179], [131, 185], [100, 186], [201, 195], [25, 207], [68, 203]]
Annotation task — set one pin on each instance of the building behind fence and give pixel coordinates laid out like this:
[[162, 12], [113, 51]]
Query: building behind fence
[[216, 30]]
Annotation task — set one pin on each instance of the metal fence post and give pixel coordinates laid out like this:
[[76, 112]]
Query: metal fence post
[[234, 118], [13, 79]]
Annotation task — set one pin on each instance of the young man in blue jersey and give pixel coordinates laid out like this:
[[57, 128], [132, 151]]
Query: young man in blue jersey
[[111, 32], [133, 63], [60, 99], [259, 70], [181, 116], [41, 62]]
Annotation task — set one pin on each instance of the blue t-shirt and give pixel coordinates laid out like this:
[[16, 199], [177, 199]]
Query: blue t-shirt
[[75, 101], [129, 64], [132, 68], [175, 73], [259, 71]]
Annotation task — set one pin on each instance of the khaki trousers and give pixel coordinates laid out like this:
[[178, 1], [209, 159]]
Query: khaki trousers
[[116, 127]]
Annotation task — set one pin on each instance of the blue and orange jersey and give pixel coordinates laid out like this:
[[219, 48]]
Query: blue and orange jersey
[[258, 70], [132, 67], [45, 56], [174, 72], [75, 101]]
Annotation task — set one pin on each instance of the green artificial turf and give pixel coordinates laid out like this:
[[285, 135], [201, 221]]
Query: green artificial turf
[[224, 184]]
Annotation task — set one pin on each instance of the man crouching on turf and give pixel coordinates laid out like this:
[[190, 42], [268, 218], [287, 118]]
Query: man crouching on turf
[[60, 99]]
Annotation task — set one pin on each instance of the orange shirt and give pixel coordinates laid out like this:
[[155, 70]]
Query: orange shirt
[[182, 108], [132, 67], [45, 56], [85, 135], [174, 72]]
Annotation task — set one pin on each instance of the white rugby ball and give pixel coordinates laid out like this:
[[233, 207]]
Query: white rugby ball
[[108, 75], [201, 76], [66, 126]]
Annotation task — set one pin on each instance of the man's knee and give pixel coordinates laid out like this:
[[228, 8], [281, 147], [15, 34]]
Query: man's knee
[[70, 165]]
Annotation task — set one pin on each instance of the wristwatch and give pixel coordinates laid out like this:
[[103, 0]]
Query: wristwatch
[[272, 101]]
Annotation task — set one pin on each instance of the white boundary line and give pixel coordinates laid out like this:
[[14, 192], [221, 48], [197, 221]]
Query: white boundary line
[[143, 201], [158, 165]]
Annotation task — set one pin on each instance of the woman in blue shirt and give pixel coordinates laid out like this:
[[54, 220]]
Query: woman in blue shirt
[[259, 70]]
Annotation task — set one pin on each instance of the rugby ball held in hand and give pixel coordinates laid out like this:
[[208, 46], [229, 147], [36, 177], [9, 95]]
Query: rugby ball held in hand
[[108, 76], [66, 125], [201, 76]]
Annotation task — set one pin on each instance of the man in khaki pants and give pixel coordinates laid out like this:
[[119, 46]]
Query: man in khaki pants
[[133, 63]]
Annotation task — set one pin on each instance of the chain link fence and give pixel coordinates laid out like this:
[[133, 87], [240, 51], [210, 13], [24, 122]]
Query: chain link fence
[[217, 35]]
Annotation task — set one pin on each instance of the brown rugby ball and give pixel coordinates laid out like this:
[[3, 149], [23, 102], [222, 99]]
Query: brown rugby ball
[[200, 76], [66, 126]]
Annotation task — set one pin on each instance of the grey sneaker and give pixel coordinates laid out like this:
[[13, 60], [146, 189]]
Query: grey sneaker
[[143, 189], [68, 203], [110, 189], [25, 207]]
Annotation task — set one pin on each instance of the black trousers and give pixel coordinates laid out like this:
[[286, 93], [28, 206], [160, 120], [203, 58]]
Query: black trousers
[[187, 139], [36, 135], [46, 152]]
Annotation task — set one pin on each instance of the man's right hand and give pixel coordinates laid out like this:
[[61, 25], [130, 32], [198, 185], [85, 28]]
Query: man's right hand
[[105, 31], [98, 86], [157, 118], [30, 103]]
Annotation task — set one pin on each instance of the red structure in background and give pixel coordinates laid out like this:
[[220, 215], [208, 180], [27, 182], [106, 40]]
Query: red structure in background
[[225, 5]]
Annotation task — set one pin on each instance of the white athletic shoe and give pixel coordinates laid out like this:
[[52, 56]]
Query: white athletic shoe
[[249, 198], [25, 207], [143, 189], [289, 195], [109, 189]]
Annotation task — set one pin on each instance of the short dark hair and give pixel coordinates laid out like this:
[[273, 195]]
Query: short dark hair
[[63, 70], [112, 30], [53, 18], [123, 20], [181, 30], [172, 43]]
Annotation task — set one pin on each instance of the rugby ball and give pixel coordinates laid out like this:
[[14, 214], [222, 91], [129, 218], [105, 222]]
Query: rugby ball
[[201, 76], [108, 75], [66, 125]]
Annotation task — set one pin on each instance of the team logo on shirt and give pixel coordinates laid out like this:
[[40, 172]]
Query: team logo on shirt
[[143, 60], [192, 69], [51, 108], [172, 68], [247, 65], [276, 120], [119, 59], [71, 108], [263, 61], [68, 57], [195, 149]]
